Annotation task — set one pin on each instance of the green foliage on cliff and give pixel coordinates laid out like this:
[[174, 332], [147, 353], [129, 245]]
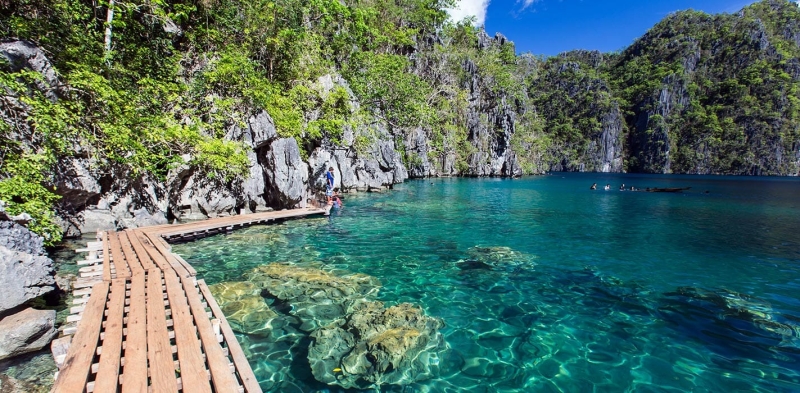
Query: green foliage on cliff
[[698, 93], [716, 91], [23, 191], [573, 97]]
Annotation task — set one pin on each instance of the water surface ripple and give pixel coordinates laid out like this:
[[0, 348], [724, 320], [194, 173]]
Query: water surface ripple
[[627, 292]]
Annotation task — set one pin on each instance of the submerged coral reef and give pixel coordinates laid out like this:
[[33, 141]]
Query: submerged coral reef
[[497, 258], [355, 341], [376, 345]]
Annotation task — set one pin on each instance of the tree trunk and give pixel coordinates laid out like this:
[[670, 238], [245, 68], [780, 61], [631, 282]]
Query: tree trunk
[[109, 20]]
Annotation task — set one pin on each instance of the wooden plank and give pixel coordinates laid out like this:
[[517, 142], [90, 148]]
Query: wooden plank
[[144, 259], [239, 360], [221, 376], [89, 249], [75, 373], [152, 251], [108, 373], [120, 266], [161, 247], [135, 378], [130, 256], [90, 261], [106, 259], [185, 264], [159, 350], [190, 354], [219, 222]]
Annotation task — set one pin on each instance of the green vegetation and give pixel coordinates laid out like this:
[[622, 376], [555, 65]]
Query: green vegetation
[[698, 93]]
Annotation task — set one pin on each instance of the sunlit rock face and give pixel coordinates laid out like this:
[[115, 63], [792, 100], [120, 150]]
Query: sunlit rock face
[[375, 345]]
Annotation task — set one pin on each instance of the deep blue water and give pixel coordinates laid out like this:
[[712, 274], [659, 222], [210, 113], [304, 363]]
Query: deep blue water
[[630, 291]]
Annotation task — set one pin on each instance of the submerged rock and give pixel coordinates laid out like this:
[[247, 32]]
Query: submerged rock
[[495, 258], [742, 320], [266, 239], [376, 345], [244, 307], [317, 297]]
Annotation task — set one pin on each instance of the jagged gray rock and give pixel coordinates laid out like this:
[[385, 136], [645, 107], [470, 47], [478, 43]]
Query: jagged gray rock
[[286, 174], [93, 220], [24, 54], [195, 196], [26, 331], [25, 270], [77, 183]]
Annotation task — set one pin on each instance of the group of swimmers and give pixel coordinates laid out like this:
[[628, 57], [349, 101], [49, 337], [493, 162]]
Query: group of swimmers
[[608, 187]]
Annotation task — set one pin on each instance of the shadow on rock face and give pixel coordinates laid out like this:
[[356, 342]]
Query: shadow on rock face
[[375, 345]]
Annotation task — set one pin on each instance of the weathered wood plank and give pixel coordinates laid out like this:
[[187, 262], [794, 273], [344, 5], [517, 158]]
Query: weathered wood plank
[[132, 259], [117, 258], [221, 376], [162, 248], [159, 350], [190, 354], [185, 264], [106, 258], [144, 258], [151, 250], [218, 222], [108, 373], [239, 360], [135, 378], [75, 373]]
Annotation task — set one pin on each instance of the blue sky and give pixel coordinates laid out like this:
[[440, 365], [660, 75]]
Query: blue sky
[[549, 27]]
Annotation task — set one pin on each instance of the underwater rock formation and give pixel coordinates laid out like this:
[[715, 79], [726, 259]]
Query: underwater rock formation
[[317, 297], [480, 257], [731, 322], [376, 345], [244, 307]]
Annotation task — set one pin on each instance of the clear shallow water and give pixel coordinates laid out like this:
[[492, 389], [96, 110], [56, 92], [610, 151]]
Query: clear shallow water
[[631, 291]]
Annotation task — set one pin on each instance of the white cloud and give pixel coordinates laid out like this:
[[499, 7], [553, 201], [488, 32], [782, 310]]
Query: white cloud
[[528, 3], [467, 8]]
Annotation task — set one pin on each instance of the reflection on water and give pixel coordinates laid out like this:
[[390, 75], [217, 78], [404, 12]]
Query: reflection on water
[[544, 285]]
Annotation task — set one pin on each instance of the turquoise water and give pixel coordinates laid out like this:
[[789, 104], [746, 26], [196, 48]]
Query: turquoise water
[[627, 292]]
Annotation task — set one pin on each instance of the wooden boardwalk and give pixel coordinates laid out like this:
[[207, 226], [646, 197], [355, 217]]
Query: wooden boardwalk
[[144, 323]]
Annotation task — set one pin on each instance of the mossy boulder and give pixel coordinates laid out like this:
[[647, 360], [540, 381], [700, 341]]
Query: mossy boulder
[[244, 307], [316, 296], [496, 258], [375, 345]]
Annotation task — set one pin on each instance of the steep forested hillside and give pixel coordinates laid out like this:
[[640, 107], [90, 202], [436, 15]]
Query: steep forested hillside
[[125, 113]]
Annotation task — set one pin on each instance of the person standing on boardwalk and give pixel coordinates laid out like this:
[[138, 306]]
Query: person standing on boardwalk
[[329, 180]]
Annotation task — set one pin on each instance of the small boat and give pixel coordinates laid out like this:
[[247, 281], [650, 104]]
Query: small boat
[[675, 189]]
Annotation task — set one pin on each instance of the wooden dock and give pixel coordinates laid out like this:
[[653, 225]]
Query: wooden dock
[[144, 323]]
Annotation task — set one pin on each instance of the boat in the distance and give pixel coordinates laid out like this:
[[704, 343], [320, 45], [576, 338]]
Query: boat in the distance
[[674, 189]]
